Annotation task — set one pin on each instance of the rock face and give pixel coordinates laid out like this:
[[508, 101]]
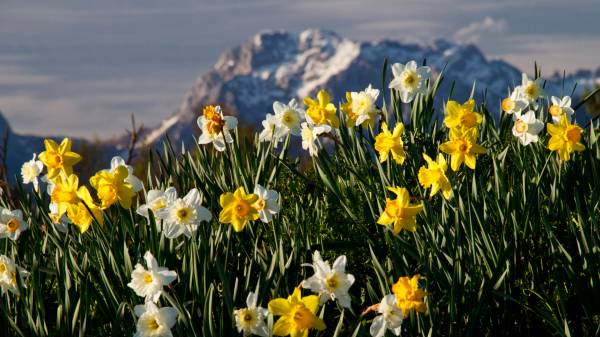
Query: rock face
[[278, 65]]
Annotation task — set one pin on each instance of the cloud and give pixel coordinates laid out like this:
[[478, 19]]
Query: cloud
[[475, 31]]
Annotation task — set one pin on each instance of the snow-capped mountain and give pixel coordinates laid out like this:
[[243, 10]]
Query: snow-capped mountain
[[278, 65]]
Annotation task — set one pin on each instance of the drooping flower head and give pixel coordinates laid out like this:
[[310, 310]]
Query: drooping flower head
[[390, 319], [9, 272], [360, 106], [149, 282], [527, 127], [59, 158], [251, 320], [399, 212], [434, 176], [215, 127], [183, 215], [409, 80], [30, 172], [461, 116], [560, 107], [462, 147], [388, 142], [330, 283], [566, 138], [408, 295], [112, 187], [238, 208], [83, 213], [310, 134], [297, 315], [267, 203], [12, 223], [154, 321], [321, 111]]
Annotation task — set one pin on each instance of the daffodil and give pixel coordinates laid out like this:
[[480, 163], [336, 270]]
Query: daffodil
[[112, 187], [434, 176], [12, 223], [388, 142], [272, 131], [462, 147], [157, 200], [390, 319], [321, 111], [566, 138], [60, 222], [408, 295], [527, 127], [30, 172], [290, 116], [215, 127], [9, 272], [238, 208], [409, 80], [310, 134], [153, 321], [64, 193], [251, 320], [183, 215], [399, 212], [297, 315], [59, 158], [461, 116], [267, 203], [360, 106], [85, 211], [135, 182], [531, 89], [149, 282], [515, 103], [560, 107], [330, 283]]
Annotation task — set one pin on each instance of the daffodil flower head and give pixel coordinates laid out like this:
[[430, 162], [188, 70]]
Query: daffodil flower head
[[360, 106], [153, 321], [322, 111], [390, 319], [331, 283], [30, 172], [408, 295], [565, 138], [527, 127], [64, 192], [149, 282], [310, 134], [434, 176], [298, 315], [83, 213], [515, 103], [461, 116], [12, 223], [399, 212], [462, 148], [289, 116], [531, 89], [215, 127], [238, 208], [409, 80], [112, 187], [157, 200], [267, 203], [388, 142], [182, 216], [9, 272], [273, 131], [560, 107], [135, 182], [251, 320], [58, 158]]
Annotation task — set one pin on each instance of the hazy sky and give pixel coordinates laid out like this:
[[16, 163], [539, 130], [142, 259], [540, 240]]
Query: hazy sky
[[81, 67]]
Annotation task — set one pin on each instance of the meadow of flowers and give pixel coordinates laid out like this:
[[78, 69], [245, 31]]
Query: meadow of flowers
[[401, 219]]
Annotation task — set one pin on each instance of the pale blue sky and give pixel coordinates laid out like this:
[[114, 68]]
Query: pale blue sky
[[81, 67]]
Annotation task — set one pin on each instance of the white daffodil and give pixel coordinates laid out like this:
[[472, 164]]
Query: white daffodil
[[184, 215], [157, 200], [30, 172], [330, 283], [363, 104], [515, 103], [527, 127], [149, 282], [60, 222], [272, 131], [559, 107], [290, 116], [215, 127], [9, 272], [531, 89], [11, 223], [390, 319], [267, 204], [251, 320], [409, 80], [154, 321], [135, 182], [310, 134]]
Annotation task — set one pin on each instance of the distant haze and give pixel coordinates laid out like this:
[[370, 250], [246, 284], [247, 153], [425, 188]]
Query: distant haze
[[82, 67]]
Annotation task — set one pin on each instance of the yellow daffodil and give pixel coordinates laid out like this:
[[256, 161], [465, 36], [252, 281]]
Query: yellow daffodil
[[58, 158], [434, 176], [111, 187], [322, 111], [238, 208], [64, 193], [566, 138], [387, 142], [408, 295], [461, 116], [80, 215], [462, 147], [360, 107], [400, 212], [297, 315]]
